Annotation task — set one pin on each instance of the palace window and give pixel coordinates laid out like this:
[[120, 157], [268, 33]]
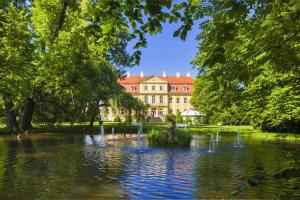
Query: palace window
[[186, 88], [146, 99], [133, 88], [171, 111], [174, 88], [171, 100], [161, 87], [146, 87], [177, 100], [161, 99], [185, 100], [153, 99], [153, 87]]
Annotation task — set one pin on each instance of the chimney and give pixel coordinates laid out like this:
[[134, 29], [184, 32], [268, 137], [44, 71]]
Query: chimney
[[142, 74], [177, 74], [164, 74], [188, 74], [128, 74]]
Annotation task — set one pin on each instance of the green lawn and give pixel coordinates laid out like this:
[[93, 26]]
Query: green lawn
[[82, 128]]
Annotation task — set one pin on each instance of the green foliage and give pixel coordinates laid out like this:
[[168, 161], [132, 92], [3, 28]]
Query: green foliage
[[169, 116], [178, 118], [66, 56], [157, 137], [128, 119], [183, 137], [248, 63], [117, 119], [187, 120], [139, 117]]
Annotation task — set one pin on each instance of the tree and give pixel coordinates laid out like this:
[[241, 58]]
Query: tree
[[249, 60], [71, 52]]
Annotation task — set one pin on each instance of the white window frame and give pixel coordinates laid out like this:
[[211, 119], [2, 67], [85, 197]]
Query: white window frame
[[133, 88], [185, 100], [174, 88], [161, 99], [153, 99]]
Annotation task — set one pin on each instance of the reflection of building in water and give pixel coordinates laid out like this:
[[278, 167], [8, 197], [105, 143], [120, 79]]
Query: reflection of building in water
[[162, 94], [160, 172]]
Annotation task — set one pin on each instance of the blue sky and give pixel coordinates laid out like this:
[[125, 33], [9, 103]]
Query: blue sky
[[165, 53]]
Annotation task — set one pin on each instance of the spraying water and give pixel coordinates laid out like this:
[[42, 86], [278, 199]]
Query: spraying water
[[102, 142], [238, 141], [113, 133], [211, 144], [217, 137]]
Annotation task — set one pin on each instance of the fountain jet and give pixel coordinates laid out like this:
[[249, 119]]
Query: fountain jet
[[238, 141], [217, 137], [211, 144], [102, 142]]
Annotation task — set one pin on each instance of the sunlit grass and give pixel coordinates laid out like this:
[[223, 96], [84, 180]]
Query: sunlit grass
[[65, 127]]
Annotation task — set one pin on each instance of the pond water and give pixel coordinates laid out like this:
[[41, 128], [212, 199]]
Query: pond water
[[48, 166]]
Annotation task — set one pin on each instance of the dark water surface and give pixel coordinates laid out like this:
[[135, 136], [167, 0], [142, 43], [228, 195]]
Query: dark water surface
[[77, 167]]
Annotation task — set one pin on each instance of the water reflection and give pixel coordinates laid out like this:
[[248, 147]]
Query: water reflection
[[68, 167]]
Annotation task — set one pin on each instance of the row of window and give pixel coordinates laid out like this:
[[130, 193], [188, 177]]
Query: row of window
[[161, 88], [178, 100], [161, 99]]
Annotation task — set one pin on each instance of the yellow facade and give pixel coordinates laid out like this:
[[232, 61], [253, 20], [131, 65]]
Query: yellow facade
[[158, 96]]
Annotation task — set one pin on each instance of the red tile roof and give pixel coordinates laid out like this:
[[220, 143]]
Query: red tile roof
[[169, 79], [180, 82]]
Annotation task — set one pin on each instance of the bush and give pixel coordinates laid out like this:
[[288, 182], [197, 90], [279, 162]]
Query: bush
[[178, 118], [169, 116], [117, 119], [183, 138], [157, 137], [188, 120], [128, 119]]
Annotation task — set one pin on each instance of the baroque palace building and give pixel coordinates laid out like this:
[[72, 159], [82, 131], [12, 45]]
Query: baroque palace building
[[162, 94]]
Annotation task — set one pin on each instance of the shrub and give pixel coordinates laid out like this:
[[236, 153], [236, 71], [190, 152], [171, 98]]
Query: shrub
[[188, 120], [117, 119], [157, 137], [169, 116], [178, 118], [128, 118], [183, 138]]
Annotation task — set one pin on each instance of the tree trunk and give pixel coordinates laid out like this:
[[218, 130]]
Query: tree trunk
[[11, 115], [92, 119], [25, 123]]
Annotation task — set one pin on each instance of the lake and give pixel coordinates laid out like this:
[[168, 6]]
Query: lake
[[53, 166]]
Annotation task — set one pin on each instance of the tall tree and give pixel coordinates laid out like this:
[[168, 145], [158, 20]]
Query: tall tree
[[249, 57]]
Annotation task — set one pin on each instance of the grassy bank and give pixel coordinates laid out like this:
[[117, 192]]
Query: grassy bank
[[246, 131], [83, 128]]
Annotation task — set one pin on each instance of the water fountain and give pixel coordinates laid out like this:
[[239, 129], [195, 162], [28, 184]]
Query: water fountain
[[113, 133], [139, 132], [217, 137], [238, 142], [211, 144], [102, 141]]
